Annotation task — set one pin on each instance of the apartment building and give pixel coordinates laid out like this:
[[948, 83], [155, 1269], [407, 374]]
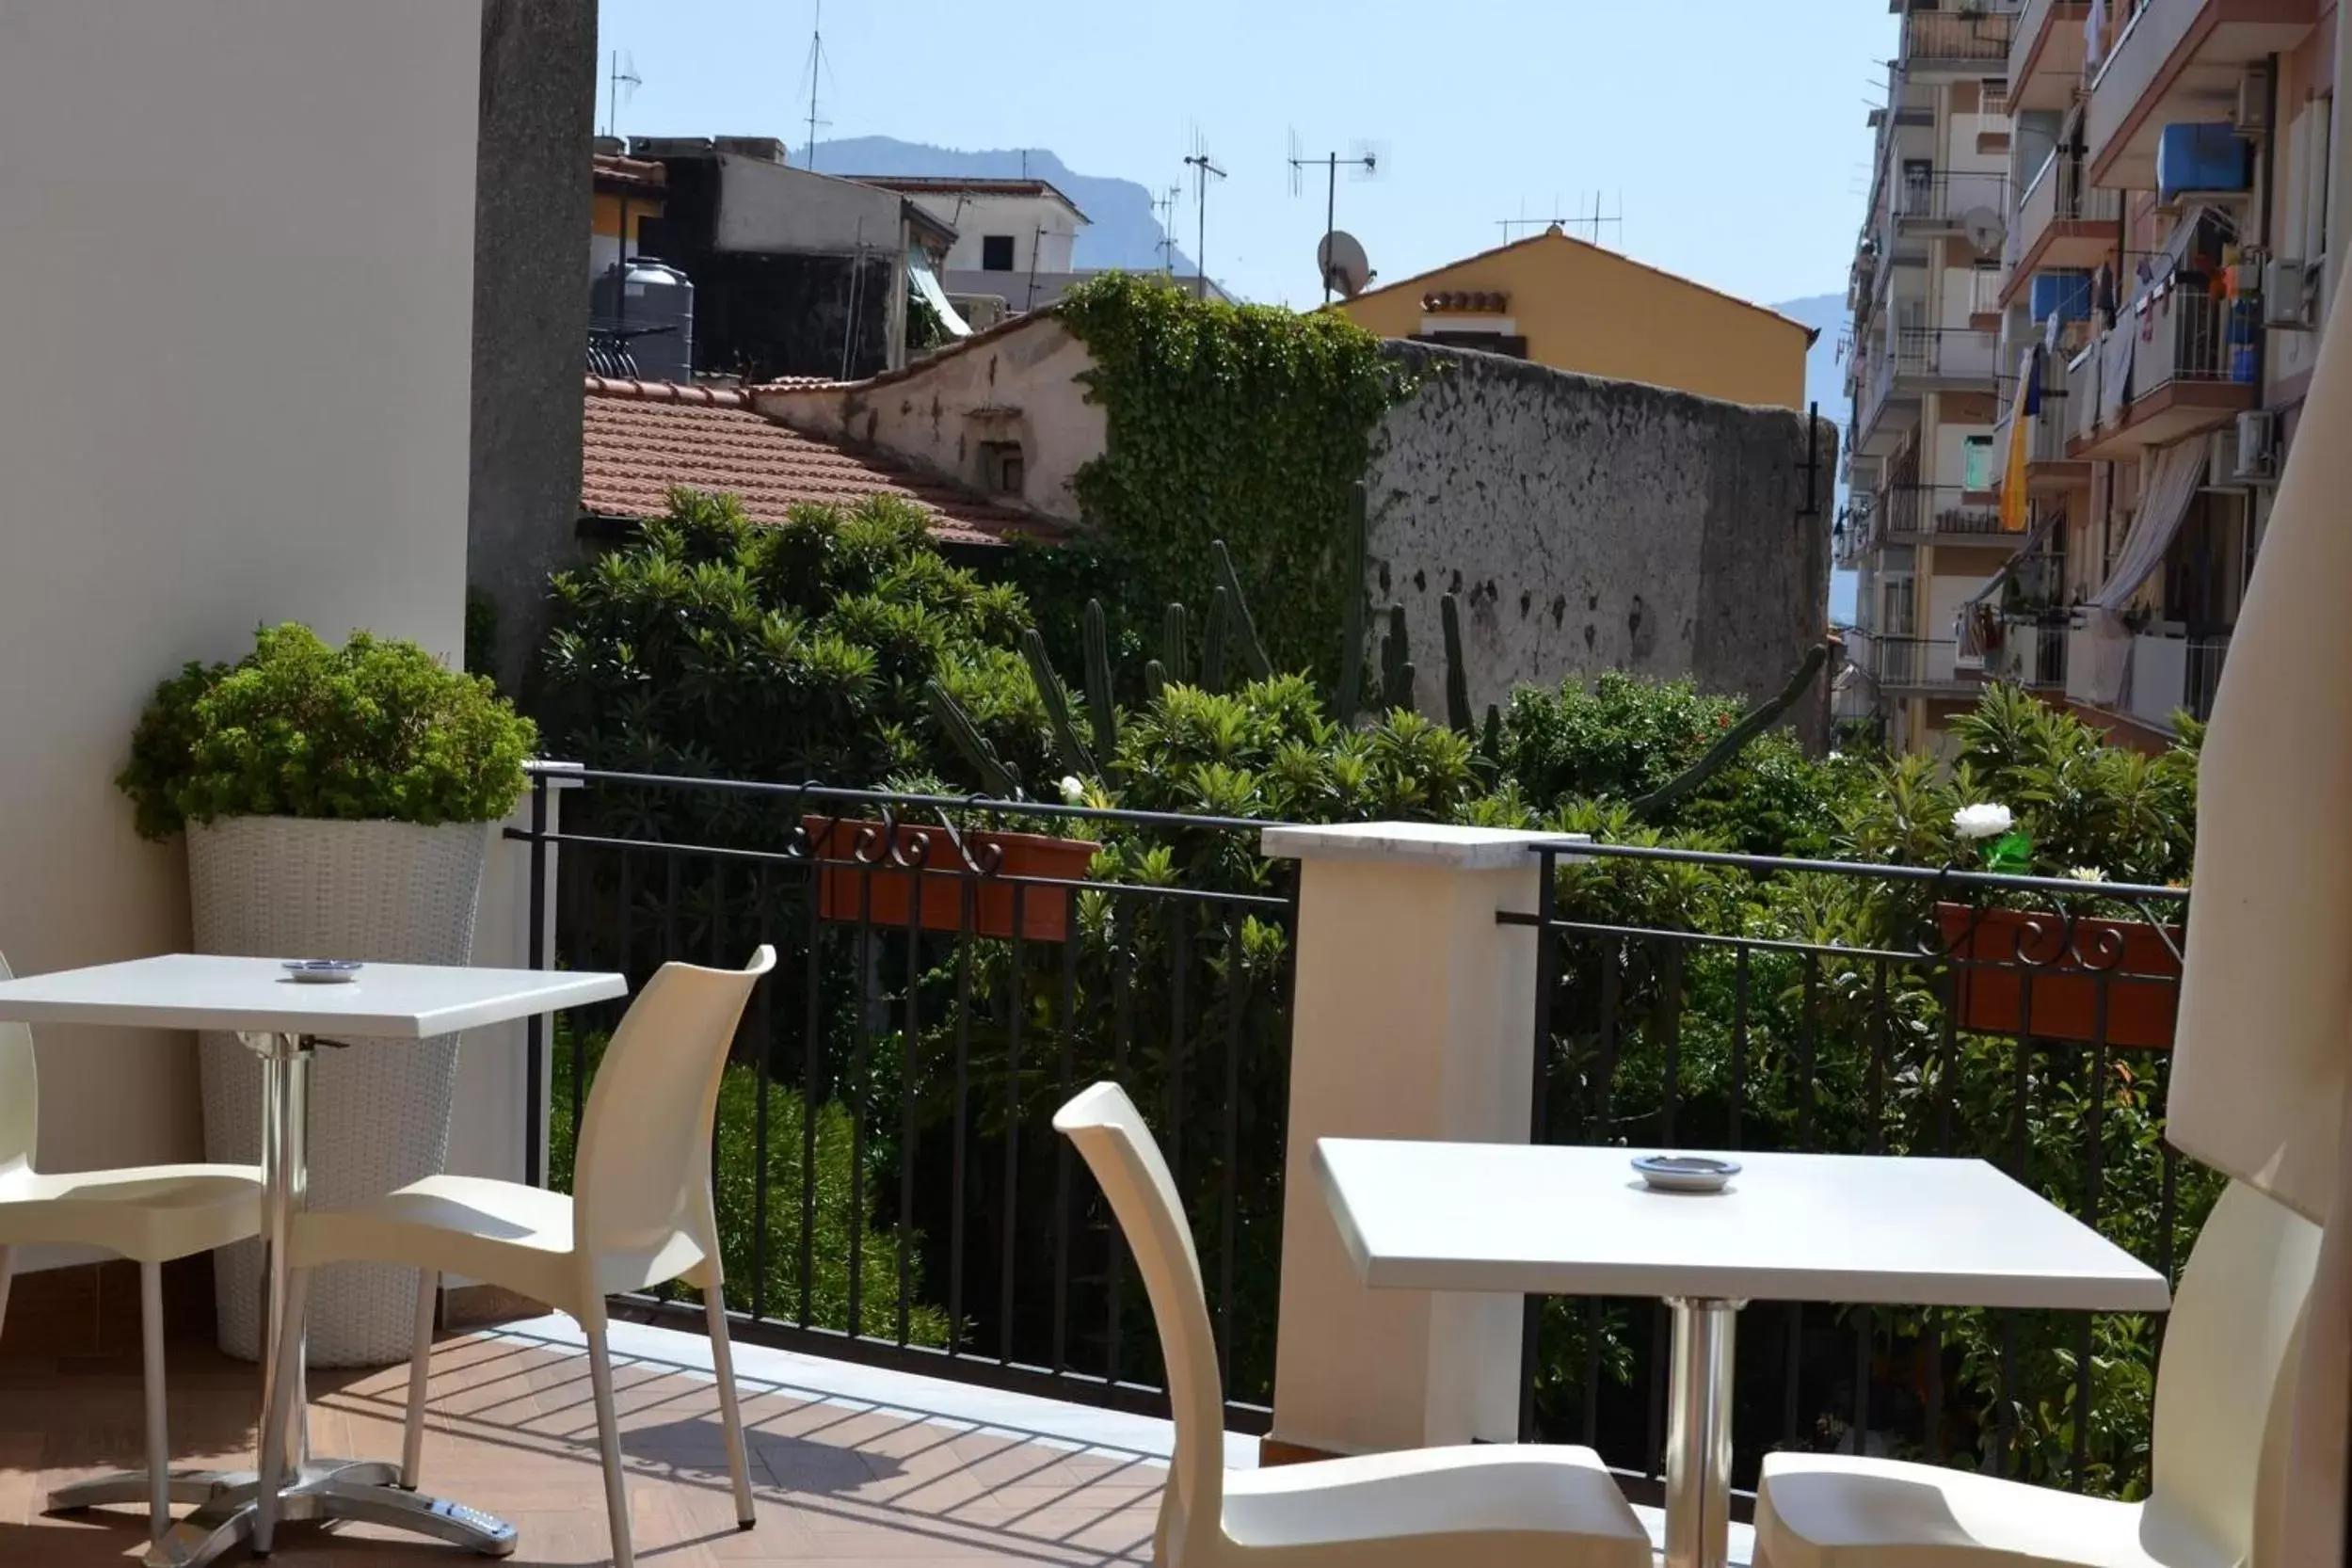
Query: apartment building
[[2165, 214], [1923, 527]]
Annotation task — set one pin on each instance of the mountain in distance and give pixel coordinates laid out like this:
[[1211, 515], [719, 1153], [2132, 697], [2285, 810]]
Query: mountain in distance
[[1825, 384], [1122, 230]]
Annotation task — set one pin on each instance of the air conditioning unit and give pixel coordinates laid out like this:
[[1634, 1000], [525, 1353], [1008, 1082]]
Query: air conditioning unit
[[2288, 291], [2255, 448], [2253, 108]]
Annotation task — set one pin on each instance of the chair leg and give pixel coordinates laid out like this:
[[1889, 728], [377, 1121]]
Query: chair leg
[[730, 1408], [284, 1379], [152, 1372], [420, 1365], [608, 1439]]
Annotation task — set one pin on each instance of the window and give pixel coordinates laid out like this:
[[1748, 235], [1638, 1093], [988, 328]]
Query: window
[[1001, 467], [996, 252], [1976, 463]]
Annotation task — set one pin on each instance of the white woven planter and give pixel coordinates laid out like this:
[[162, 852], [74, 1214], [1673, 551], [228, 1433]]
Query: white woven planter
[[384, 892]]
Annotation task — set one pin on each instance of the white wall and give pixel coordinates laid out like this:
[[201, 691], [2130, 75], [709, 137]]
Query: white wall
[[772, 209], [975, 215], [236, 325]]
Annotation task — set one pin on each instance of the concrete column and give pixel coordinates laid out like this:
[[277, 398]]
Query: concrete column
[[1414, 1018]]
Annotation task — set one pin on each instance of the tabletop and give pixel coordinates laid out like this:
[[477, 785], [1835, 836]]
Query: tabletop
[[186, 990], [1553, 1220]]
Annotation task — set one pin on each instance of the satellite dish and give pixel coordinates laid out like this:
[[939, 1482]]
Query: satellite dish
[[1340, 257], [1984, 228]]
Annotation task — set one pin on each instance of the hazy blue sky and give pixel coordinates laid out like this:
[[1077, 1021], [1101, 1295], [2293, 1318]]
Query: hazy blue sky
[[1731, 132]]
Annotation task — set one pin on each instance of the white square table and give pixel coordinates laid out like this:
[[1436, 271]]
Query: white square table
[[281, 1020], [1566, 1221]]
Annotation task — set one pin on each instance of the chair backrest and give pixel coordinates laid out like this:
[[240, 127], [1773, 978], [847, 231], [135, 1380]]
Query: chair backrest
[[20, 1090], [642, 1178], [1119, 1148], [2224, 1377]]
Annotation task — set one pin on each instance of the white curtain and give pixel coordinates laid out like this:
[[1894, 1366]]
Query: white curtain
[[2260, 1077], [2179, 472]]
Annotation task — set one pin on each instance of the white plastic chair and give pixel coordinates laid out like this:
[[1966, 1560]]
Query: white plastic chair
[[148, 1213], [640, 1214], [1455, 1507], [2220, 1430]]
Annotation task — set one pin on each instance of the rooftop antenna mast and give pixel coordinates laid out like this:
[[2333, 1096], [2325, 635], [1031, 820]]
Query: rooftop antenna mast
[[1164, 208], [1204, 168], [624, 74], [1365, 162], [816, 70]]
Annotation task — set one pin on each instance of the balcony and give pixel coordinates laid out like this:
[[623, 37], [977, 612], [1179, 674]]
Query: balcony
[[1941, 514], [1957, 43], [2029, 654], [2046, 53], [1919, 666], [2176, 366], [2149, 679], [1942, 201], [2060, 222], [2178, 60], [1945, 359]]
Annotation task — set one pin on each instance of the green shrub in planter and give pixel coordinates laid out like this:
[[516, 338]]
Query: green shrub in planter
[[377, 729]]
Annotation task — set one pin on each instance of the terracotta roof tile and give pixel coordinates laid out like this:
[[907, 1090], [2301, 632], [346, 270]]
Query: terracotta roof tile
[[640, 437]]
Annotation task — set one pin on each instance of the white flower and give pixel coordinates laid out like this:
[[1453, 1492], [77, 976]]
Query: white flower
[[1984, 820], [2087, 873], [1837, 757], [1073, 790]]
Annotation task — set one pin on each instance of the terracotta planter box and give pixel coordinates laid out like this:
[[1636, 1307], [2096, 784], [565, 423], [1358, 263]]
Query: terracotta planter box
[[2037, 952], [885, 895]]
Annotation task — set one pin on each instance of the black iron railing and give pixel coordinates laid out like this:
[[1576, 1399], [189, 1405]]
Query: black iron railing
[[949, 970], [1727, 1002]]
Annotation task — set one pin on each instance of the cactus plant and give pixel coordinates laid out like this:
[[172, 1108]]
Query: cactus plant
[[1395, 662], [1101, 712], [1155, 680], [1049, 692], [995, 777], [1175, 658], [1213, 640], [1237, 610], [1752, 724], [1457, 668]]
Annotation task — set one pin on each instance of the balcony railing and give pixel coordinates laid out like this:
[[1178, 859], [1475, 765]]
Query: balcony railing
[[2056, 193], [888, 1187], [1907, 510], [1947, 352], [2174, 675], [1934, 38], [2193, 337], [1918, 664], [1947, 198], [2030, 654], [1841, 1010]]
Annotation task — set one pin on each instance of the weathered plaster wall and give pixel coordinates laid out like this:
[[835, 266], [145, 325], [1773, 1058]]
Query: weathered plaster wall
[[1589, 525], [1018, 383]]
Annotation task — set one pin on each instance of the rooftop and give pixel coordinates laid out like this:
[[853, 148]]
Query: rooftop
[[950, 185], [639, 439]]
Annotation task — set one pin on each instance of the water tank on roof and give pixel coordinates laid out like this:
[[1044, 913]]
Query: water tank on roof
[[644, 310]]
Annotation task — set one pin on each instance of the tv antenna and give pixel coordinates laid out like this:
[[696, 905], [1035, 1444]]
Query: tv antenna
[[1365, 162], [1585, 225], [624, 74], [817, 67], [1163, 209], [1204, 168]]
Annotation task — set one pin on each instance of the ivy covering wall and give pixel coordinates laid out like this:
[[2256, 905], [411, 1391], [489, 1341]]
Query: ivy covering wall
[[1245, 423]]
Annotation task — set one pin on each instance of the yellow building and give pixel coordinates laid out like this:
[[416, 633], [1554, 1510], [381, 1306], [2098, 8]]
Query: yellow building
[[628, 191], [1574, 306]]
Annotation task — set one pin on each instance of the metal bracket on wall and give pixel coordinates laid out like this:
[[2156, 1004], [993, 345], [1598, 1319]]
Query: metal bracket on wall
[[1812, 461]]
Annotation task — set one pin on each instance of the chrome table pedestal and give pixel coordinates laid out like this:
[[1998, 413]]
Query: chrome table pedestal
[[315, 1490], [1699, 1433]]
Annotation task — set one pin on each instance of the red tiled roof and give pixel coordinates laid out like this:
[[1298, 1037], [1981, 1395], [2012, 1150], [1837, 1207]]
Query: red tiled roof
[[612, 168], [640, 437]]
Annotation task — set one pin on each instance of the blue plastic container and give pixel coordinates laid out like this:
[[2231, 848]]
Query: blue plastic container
[[2201, 157]]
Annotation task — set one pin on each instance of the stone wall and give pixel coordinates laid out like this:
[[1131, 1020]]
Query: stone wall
[[1590, 525]]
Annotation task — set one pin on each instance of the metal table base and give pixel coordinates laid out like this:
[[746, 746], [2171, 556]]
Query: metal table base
[[1699, 1433], [311, 1489]]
